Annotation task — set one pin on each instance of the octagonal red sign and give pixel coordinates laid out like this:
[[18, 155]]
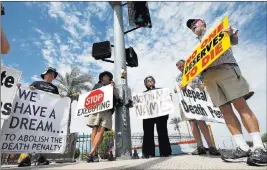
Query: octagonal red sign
[[94, 98]]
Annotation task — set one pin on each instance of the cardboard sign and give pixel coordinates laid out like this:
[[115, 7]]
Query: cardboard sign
[[196, 104], [210, 48], [38, 123], [95, 101], [9, 78], [154, 103]]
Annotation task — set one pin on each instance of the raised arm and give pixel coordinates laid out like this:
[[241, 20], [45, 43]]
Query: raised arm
[[4, 43]]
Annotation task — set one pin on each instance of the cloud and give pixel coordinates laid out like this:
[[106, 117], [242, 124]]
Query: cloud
[[80, 24], [36, 78]]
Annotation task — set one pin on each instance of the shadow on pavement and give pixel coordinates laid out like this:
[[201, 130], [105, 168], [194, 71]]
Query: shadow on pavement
[[37, 167], [146, 165]]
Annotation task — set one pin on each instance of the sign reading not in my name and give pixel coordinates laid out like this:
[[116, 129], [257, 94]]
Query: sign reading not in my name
[[153, 103]]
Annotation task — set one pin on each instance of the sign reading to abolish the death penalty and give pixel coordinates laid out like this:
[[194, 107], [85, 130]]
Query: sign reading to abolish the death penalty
[[210, 48], [196, 104], [38, 123], [9, 78], [95, 101], [153, 103]]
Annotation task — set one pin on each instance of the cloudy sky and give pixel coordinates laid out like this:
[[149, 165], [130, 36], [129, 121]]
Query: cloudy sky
[[61, 35]]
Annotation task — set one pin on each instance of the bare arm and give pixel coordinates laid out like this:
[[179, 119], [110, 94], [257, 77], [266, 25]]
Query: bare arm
[[4, 43]]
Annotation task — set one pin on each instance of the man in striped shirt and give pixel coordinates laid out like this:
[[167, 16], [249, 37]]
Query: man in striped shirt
[[196, 125], [226, 85]]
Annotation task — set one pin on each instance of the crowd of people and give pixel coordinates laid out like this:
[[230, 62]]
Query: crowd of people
[[225, 85]]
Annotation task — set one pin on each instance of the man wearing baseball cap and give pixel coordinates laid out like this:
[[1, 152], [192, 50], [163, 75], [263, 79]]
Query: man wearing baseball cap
[[226, 86]]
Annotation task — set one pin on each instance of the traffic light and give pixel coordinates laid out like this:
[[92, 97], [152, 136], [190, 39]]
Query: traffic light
[[131, 57], [138, 14], [101, 50]]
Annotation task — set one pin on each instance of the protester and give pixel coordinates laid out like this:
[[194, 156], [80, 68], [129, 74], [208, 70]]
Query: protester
[[46, 85], [226, 85], [197, 124], [99, 122], [4, 43], [148, 147]]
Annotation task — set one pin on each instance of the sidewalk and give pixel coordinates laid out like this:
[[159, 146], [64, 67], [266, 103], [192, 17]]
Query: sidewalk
[[174, 162]]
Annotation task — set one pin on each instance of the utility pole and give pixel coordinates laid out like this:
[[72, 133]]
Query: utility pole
[[123, 143]]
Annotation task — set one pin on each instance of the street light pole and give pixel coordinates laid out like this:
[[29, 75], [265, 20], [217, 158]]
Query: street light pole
[[123, 142]]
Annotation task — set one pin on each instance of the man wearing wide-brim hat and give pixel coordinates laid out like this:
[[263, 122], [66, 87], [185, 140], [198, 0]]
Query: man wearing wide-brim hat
[[226, 86], [46, 85]]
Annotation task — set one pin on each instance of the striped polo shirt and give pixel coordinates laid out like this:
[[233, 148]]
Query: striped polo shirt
[[194, 83]]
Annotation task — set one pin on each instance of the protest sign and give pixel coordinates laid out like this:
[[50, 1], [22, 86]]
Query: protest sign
[[210, 48], [95, 101], [153, 103], [196, 104], [78, 124], [9, 78], [38, 123]]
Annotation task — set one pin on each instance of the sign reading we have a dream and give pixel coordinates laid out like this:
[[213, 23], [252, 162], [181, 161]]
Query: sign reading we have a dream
[[153, 103], [95, 101], [211, 48], [38, 123], [197, 104], [9, 78]]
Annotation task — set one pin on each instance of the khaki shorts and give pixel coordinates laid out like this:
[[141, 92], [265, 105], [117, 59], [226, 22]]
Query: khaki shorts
[[103, 119], [225, 83]]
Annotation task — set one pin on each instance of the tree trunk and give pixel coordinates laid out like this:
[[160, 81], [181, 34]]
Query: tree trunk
[[69, 121], [179, 133]]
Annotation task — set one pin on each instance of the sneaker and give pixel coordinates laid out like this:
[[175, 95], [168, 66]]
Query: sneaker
[[199, 151], [257, 158], [238, 155], [89, 158], [214, 151]]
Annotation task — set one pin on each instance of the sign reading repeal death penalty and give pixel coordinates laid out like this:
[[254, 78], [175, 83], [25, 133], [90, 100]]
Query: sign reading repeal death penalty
[[95, 101], [210, 49], [9, 78], [38, 123], [197, 104], [153, 103]]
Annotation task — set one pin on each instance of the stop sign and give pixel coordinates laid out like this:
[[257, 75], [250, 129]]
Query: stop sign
[[94, 98]]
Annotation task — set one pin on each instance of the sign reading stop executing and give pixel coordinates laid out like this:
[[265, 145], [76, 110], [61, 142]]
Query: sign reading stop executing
[[95, 101]]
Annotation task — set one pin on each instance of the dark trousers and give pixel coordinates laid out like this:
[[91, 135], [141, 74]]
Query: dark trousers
[[148, 147]]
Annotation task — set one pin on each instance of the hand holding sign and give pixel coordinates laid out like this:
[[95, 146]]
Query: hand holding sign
[[32, 88], [112, 83], [201, 86], [18, 85], [229, 31], [181, 87]]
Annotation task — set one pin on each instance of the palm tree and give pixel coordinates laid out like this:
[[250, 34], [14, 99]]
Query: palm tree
[[72, 85], [175, 121]]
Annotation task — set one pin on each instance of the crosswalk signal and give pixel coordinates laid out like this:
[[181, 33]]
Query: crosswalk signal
[[138, 14], [131, 57], [101, 50]]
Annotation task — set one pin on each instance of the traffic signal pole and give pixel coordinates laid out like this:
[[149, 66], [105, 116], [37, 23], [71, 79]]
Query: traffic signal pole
[[123, 142]]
